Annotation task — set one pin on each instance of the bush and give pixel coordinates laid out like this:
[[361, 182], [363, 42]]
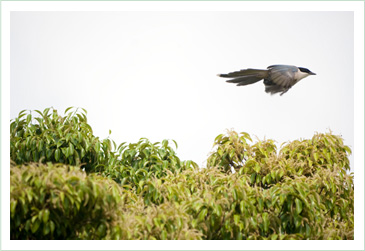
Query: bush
[[57, 139], [168, 221], [303, 192], [55, 201], [228, 206], [142, 161], [144, 191]]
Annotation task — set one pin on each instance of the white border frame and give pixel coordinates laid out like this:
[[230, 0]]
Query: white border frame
[[356, 7]]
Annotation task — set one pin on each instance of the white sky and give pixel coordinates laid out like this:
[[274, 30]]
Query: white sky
[[153, 73]]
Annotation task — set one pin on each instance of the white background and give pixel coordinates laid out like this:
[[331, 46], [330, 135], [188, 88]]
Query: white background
[[152, 73]]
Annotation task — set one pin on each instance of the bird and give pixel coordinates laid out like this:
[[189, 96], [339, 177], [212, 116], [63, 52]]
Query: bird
[[277, 78]]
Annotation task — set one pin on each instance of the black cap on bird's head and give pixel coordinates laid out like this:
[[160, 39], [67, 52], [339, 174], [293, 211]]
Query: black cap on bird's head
[[302, 69]]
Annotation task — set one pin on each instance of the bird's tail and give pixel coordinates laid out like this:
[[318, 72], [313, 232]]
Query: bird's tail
[[245, 77]]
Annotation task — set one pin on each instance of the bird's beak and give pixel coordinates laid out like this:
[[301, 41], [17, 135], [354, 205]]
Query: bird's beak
[[312, 73]]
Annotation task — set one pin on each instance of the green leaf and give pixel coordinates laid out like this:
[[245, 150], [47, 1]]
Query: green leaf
[[46, 229], [82, 154], [175, 143], [45, 215], [202, 214], [57, 154], [254, 221], [315, 155], [101, 229], [62, 196], [246, 136], [164, 143], [149, 227], [164, 235], [218, 210], [218, 138], [261, 204], [38, 112], [253, 178], [297, 220], [156, 221], [65, 151], [274, 237], [348, 149], [234, 194], [298, 206], [49, 153], [180, 223], [52, 226], [40, 145], [71, 149], [97, 147], [232, 153], [13, 204], [145, 172], [45, 112], [29, 118], [250, 163], [35, 226], [265, 219], [67, 109], [242, 207], [307, 230], [21, 114], [236, 219]]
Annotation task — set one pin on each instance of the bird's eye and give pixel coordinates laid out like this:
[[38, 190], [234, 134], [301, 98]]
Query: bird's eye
[[303, 69]]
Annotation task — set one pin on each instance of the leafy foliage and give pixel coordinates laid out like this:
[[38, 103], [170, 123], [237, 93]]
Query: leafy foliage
[[60, 202], [168, 221], [300, 192], [70, 140], [143, 160], [143, 191], [53, 138]]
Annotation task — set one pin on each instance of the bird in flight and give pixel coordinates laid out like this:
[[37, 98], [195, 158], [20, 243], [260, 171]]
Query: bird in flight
[[277, 78]]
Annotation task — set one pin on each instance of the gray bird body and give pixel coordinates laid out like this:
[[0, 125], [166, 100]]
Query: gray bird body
[[277, 78]]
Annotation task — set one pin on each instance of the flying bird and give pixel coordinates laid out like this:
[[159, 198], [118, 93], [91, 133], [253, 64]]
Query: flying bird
[[277, 78]]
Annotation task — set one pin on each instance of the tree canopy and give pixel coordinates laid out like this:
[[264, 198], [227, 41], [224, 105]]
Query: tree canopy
[[66, 183]]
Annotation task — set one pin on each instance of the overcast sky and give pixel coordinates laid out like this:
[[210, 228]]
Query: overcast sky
[[153, 74]]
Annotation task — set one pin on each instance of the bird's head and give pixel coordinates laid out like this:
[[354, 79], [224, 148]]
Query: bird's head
[[305, 70]]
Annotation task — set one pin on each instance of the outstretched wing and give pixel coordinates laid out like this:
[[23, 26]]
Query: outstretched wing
[[281, 78]]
